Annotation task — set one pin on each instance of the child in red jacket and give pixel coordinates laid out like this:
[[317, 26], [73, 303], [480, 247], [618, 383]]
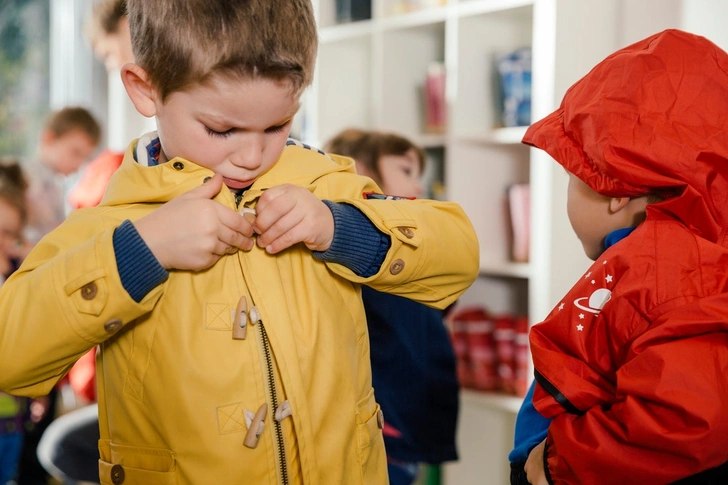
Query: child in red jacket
[[631, 364]]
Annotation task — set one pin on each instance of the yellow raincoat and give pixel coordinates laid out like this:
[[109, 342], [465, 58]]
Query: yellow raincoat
[[174, 385]]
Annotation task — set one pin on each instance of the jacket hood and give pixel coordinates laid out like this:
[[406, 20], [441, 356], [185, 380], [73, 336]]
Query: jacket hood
[[134, 183], [652, 118]]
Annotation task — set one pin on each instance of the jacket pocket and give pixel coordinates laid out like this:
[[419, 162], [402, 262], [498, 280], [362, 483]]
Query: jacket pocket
[[371, 443], [132, 465]]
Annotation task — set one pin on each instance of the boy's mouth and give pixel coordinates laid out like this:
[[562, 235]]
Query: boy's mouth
[[237, 184]]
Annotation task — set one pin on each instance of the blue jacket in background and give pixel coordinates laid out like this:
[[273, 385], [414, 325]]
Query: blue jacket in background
[[414, 377]]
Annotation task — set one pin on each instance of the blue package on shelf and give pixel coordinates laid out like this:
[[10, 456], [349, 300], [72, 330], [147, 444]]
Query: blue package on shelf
[[515, 84], [353, 10]]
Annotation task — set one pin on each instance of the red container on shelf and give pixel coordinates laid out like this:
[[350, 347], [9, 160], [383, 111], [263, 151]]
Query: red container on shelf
[[459, 339], [522, 356], [472, 335], [504, 336]]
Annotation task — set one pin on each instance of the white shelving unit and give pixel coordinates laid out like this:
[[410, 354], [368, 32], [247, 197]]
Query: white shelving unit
[[369, 75]]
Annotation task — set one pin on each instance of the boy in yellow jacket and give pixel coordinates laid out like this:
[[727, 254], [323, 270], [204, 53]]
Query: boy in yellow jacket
[[234, 348]]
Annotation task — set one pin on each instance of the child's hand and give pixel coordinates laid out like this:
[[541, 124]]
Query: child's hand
[[534, 466], [288, 214], [192, 232]]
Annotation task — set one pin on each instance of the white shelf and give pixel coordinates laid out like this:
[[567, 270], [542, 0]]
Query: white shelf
[[431, 140], [353, 30], [498, 136], [415, 19], [492, 400], [506, 269], [479, 7]]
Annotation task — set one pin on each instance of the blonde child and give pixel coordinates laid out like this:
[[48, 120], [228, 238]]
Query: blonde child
[[234, 349]]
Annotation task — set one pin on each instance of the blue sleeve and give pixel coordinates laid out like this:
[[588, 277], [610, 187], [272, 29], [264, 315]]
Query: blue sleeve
[[357, 244], [139, 270], [531, 429]]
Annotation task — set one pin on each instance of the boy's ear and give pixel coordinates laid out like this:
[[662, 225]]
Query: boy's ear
[[616, 204], [140, 89]]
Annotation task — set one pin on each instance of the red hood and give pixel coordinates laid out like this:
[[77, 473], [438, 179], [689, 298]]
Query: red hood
[[650, 118]]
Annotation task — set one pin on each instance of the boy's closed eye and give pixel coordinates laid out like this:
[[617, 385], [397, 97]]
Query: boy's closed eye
[[229, 131]]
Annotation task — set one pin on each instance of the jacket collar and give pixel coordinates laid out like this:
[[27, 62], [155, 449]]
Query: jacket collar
[[134, 183]]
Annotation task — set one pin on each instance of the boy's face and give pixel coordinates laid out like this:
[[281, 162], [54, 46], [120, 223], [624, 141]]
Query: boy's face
[[65, 153], [401, 175], [237, 128], [590, 216]]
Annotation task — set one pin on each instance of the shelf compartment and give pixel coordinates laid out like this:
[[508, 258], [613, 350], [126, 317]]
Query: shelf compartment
[[344, 93], [481, 40], [505, 269], [498, 136], [406, 56]]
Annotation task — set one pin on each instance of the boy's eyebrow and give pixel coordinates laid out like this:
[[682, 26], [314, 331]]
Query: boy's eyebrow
[[221, 120]]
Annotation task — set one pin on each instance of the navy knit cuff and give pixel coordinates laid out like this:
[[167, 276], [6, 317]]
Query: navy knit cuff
[[139, 270], [357, 244]]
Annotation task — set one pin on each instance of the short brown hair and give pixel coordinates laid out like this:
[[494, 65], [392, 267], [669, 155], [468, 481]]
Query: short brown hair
[[105, 18], [74, 118], [13, 185], [182, 42], [368, 147]]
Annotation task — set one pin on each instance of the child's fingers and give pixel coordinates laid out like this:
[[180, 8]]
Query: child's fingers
[[207, 190], [284, 233], [270, 211], [235, 239], [235, 221], [270, 195]]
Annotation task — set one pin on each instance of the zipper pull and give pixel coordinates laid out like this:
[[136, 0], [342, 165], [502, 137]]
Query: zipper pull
[[255, 315], [240, 321], [283, 411], [256, 427]]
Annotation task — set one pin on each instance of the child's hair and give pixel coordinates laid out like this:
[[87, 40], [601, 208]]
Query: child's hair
[[367, 147], [74, 118], [183, 42], [105, 18], [13, 185]]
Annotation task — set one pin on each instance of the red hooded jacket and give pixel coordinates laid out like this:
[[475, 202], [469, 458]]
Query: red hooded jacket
[[632, 364]]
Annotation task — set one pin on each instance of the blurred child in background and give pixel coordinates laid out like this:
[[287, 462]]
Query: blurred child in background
[[68, 139], [413, 363], [107, 31], [13, 214]]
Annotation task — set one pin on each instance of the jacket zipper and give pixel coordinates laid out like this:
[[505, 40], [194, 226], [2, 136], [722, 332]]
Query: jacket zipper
[[274, 404], [271, 383]]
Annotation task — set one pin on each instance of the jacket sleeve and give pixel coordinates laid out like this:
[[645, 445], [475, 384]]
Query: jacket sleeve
[[667, 420], [66, 298], [434, 252]]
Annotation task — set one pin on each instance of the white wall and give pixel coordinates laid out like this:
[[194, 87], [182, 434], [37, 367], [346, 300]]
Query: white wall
[[707, 18]]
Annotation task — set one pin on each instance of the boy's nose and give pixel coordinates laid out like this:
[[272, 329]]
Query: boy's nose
[[250, 153]]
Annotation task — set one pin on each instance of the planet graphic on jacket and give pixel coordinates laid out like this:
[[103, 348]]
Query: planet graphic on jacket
[[596, 302]]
